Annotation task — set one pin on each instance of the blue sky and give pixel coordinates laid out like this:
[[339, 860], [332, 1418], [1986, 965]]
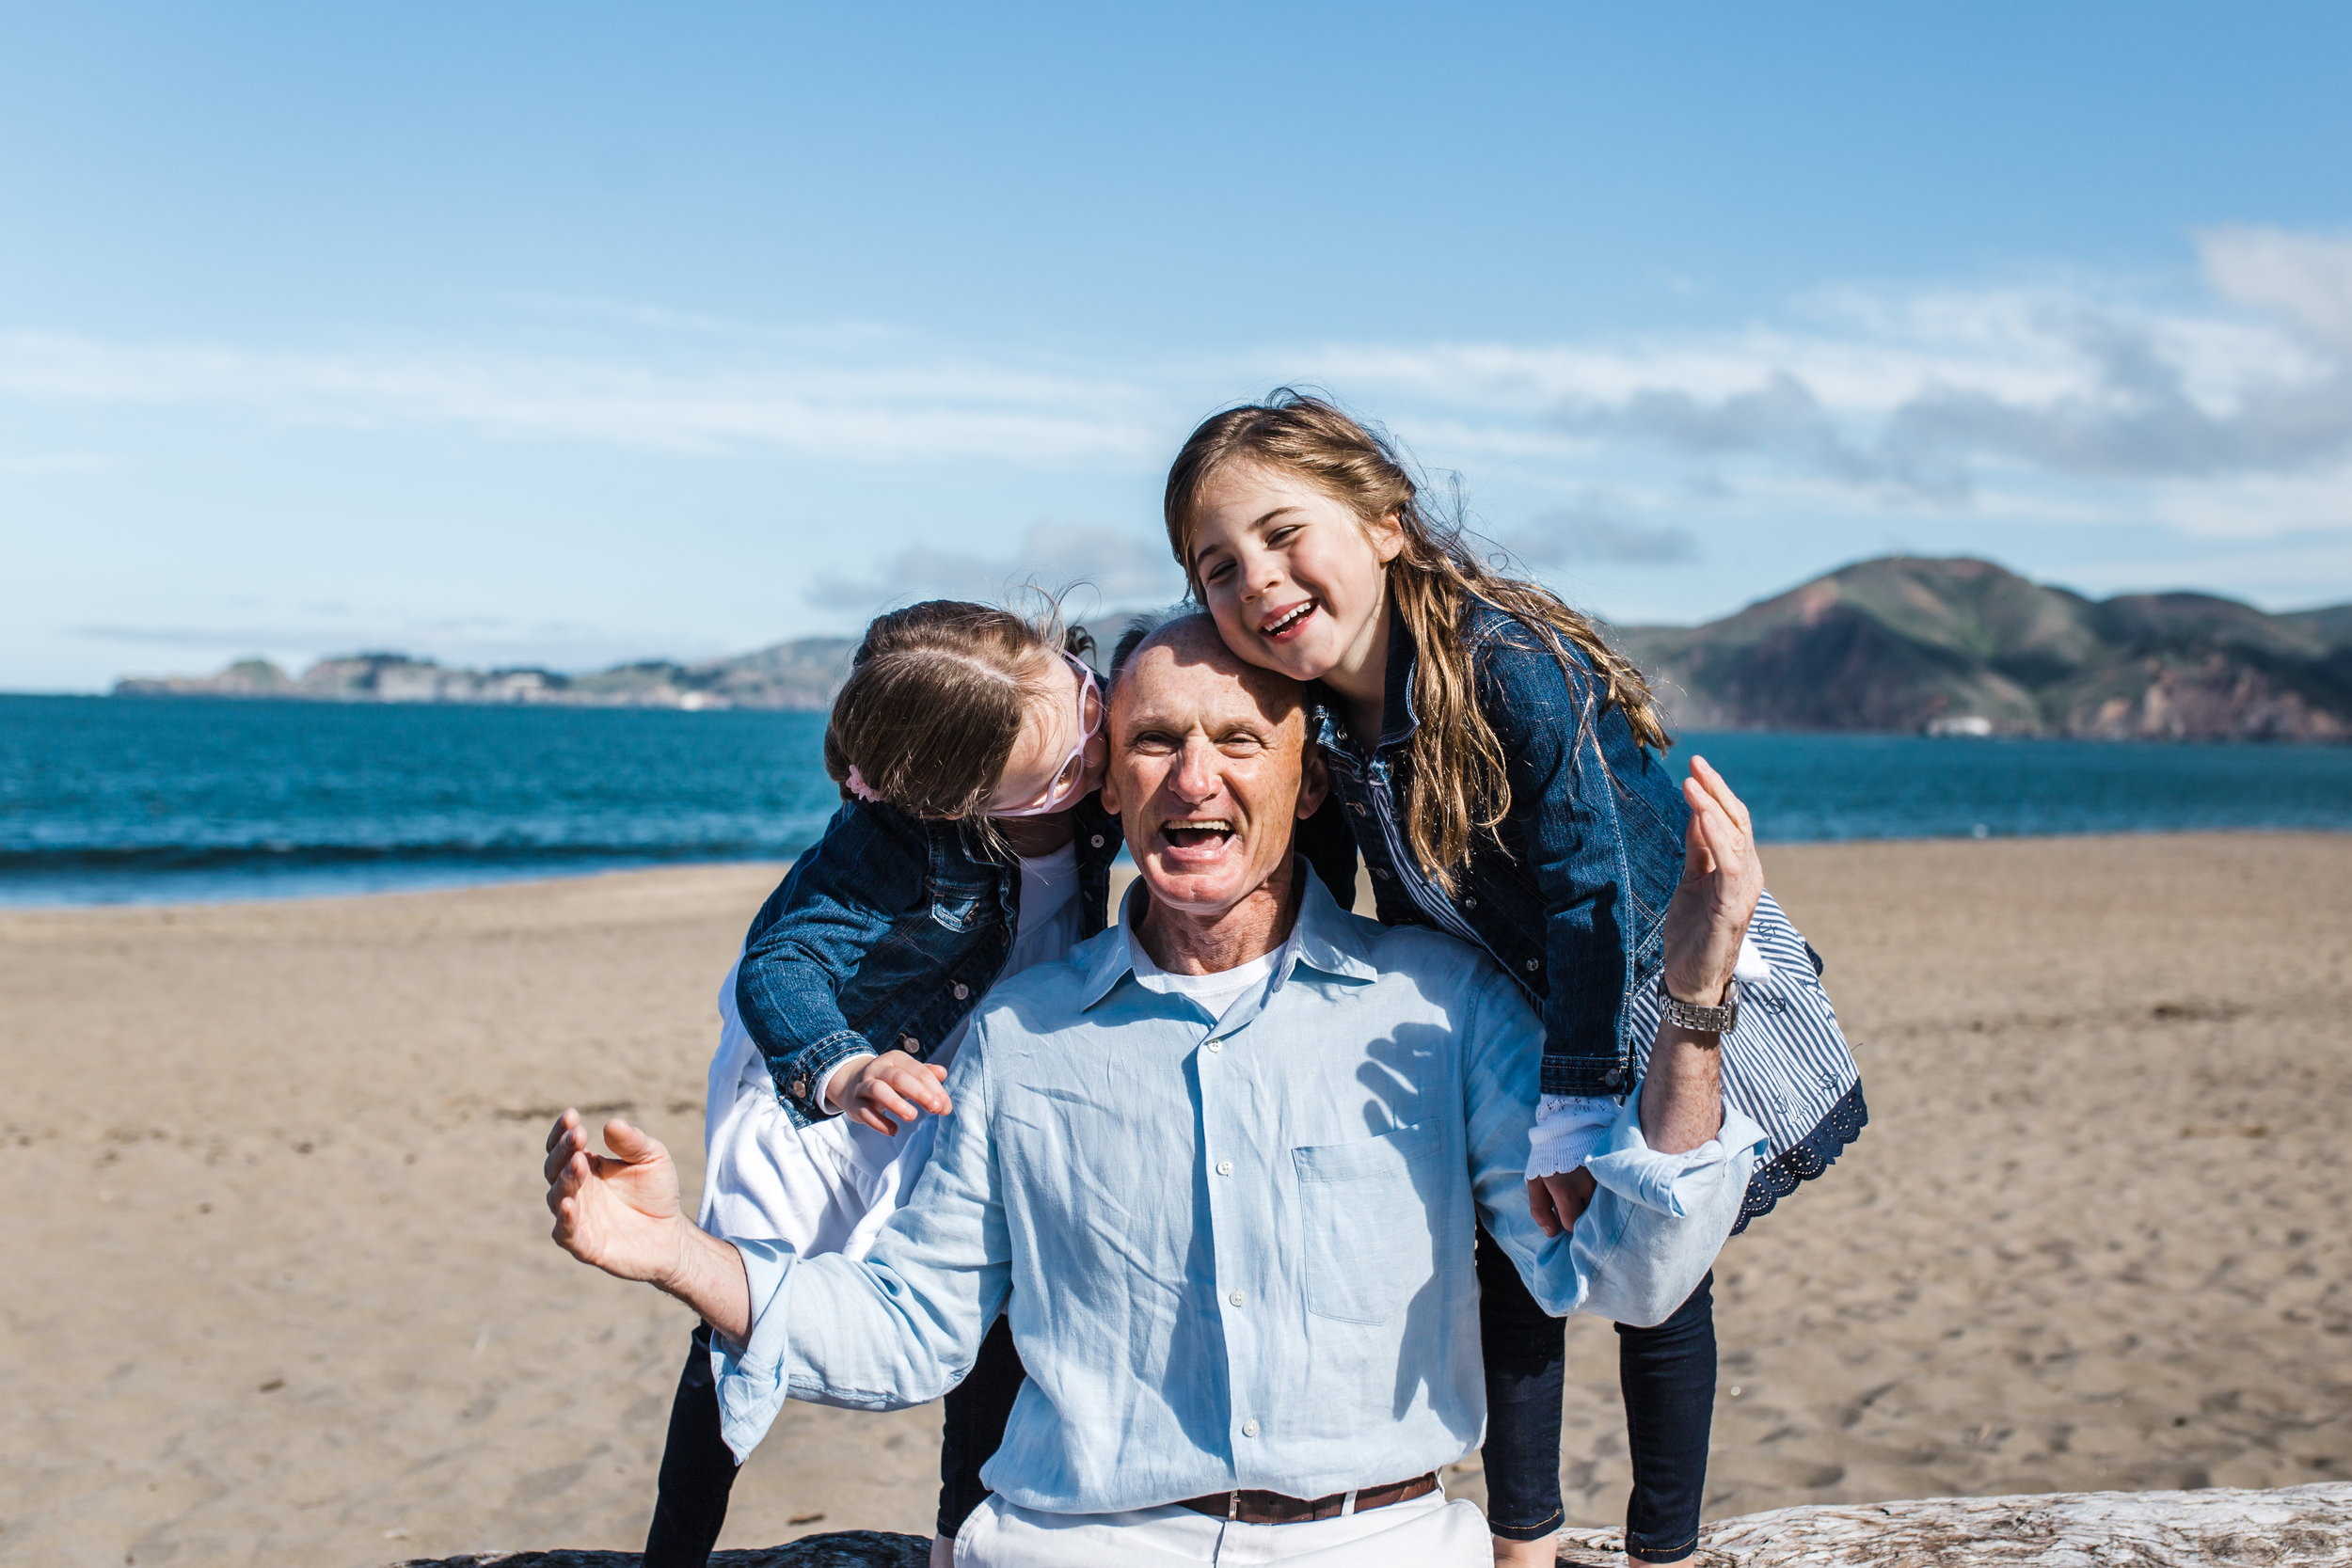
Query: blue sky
[[573, 333]]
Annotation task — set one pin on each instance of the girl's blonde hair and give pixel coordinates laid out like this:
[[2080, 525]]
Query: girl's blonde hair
[[1460, 783], [935, 700]]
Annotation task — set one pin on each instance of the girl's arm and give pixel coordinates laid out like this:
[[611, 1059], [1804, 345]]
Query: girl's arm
[[1602, 828], [809, 939]]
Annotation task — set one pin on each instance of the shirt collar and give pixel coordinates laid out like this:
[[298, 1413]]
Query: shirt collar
[[1330, 940]]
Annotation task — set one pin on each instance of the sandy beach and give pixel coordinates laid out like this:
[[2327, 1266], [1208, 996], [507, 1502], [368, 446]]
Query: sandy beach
[[276, 1288]]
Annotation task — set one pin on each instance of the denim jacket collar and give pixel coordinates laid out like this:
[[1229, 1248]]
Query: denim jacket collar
[[1329, 941], [1398, 717]]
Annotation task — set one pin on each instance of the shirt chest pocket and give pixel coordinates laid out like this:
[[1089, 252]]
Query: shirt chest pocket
[[1369, 1207]]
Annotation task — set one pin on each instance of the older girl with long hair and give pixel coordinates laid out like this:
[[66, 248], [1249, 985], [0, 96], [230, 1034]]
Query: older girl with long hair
[[1500, 766]]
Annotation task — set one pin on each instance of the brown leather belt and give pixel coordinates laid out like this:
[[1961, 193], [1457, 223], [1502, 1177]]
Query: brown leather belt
[[1272, 1508]]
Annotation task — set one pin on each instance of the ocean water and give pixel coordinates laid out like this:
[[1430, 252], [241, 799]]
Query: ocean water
[[106, 801]]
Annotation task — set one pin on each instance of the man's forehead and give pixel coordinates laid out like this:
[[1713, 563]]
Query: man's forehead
[[1168, 683]]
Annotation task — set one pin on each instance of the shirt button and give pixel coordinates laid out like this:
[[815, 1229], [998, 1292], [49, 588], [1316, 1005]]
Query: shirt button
[[1250, 1429], [1531, 963], [1096, 841], [1225, 1168], [1235, 1298], [1216, 1045], [963, 991], [1469, 903]]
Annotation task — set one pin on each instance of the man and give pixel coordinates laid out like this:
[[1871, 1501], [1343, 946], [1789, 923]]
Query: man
[[1220, 1167]]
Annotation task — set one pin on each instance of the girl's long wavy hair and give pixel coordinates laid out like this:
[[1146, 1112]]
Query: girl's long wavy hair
[[1460, 781], [935, 700]]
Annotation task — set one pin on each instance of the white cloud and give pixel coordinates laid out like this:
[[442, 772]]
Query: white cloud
[[935, 407], [2304, 278], [2078, 396], [1095, 567]]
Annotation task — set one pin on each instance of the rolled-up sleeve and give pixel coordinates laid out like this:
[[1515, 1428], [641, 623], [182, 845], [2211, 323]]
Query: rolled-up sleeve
[[1656, 1221], [899, 1327]]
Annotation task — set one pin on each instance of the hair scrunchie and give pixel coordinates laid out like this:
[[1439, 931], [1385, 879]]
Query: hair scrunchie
[[859, 788]]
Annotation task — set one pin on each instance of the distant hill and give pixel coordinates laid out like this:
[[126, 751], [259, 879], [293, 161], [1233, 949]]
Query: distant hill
[[799, 674], [1962, 647]]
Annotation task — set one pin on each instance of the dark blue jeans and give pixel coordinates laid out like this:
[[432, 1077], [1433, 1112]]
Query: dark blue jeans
[[1667, 1376], [698, 1468]]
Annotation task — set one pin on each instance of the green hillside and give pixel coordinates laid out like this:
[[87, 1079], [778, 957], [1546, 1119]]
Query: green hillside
[[1906, 644]]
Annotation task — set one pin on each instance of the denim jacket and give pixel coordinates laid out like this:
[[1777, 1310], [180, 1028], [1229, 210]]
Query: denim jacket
[[1574, 882], [885, 934]]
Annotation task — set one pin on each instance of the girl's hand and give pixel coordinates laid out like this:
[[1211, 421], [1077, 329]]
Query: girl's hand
[[1556, 1202], [881, 1091], [1722, 879]]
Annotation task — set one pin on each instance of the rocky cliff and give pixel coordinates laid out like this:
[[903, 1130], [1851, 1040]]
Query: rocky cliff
[[799, 674]]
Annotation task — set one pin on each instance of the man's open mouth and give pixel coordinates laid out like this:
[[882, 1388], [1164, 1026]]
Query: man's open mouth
[[1201, 833], [1289, 621]]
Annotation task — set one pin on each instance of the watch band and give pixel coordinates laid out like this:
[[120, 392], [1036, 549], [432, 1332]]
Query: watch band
[[1698, 1019]]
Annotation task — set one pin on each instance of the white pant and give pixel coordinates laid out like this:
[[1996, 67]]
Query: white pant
[[1425, 1532]]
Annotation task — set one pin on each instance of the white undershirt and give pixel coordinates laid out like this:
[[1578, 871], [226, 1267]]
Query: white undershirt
[[1215, 992]]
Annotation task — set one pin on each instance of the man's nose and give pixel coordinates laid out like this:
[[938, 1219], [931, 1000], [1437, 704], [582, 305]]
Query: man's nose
[[1196, 776]]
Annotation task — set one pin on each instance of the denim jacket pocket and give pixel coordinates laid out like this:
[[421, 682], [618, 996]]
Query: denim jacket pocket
[[962, 906], [1363, 1259]]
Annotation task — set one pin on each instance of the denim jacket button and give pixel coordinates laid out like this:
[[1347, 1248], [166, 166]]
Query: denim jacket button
[[1470, 901], [1531, 969], [963, 991]]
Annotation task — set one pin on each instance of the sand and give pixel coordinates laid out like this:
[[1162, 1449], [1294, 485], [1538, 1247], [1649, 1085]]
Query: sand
[[276, 1288]]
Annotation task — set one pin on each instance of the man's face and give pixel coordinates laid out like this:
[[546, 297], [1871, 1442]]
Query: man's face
[[1206, 773]]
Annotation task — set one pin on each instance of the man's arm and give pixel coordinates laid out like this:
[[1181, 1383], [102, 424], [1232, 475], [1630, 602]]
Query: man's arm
[[620, 1211], [899, 1327], [1656, 1217]]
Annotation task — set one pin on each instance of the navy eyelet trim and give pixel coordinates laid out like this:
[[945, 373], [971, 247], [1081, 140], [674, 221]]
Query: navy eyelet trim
[[1780, 1176]]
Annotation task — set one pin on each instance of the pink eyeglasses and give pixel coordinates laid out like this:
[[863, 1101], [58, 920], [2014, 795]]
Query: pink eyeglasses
[[1064, 792]]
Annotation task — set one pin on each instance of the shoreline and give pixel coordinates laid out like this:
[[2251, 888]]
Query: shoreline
[[10, 906], [279, 1290]]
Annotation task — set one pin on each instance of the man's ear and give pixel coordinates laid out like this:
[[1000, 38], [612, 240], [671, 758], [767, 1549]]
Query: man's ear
[[1110, 791], [1314, 782]]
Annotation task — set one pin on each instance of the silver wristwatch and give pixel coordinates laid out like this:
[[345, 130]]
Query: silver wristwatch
[[1698, 1019]]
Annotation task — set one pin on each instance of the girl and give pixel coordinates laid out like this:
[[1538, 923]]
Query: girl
[[1496, 761], [969, 846]]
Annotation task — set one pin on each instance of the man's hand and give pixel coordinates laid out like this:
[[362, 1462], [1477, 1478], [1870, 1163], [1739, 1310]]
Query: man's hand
[[1722, 879], [619, 1212], [1556, 1202], [881, 1091]]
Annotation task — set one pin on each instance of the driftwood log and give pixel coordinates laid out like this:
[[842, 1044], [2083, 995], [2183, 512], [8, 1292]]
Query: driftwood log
[[2300, 1526], [847, 1548], [2305, 1526]]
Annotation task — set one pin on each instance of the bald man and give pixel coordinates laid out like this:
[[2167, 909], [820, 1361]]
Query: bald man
[[1221, 1167]]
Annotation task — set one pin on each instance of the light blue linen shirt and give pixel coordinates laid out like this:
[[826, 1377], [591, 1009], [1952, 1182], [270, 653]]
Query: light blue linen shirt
[[1237, 1250]]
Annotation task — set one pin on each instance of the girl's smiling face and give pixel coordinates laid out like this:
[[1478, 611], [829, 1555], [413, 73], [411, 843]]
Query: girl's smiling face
[[1296, 580]]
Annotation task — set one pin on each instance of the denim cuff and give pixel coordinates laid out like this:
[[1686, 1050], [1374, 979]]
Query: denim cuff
[[800, 1075], [1636, 1547], [1586, 1077]]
